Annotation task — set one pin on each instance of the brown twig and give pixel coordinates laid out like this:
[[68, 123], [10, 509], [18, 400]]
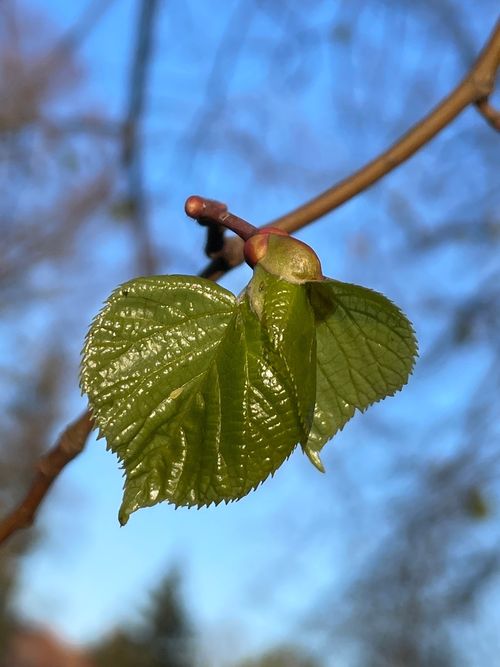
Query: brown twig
[[475, 88], [211, 212], [132, 144], [73, 440], [68, 446], [491, 115], [78, 32], [215, 240], [212, 99]]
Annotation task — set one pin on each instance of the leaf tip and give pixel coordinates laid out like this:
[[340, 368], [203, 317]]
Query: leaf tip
[[123, 516], [314, 458]]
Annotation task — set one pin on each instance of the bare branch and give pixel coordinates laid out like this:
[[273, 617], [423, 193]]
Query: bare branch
[[210, 212], [74, 438], [89, 18], [477, 84], [225, 61], [132, 148], [474, 89], [489, 112], [69, 445]]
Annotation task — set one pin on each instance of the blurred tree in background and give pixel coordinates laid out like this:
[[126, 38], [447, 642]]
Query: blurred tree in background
[[47, 198], [285, 656], [276, 102], [165, 638], [32, 410]]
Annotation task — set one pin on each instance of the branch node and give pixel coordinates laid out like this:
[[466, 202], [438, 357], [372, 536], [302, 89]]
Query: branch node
[[490, 114]]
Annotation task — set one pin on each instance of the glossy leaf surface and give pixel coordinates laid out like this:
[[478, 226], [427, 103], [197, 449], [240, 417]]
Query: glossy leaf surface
[[181, 385], [203, 395], [288, 324], [366, 350]]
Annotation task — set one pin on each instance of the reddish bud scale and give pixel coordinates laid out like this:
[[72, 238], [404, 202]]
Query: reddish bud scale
[[282, 255], [275, 250], [255, 247]]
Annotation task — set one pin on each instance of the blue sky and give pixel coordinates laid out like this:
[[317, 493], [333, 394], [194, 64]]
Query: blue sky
[[252, 568]]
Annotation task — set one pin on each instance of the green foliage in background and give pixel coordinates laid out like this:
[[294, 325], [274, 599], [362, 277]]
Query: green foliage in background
[[284, 656]]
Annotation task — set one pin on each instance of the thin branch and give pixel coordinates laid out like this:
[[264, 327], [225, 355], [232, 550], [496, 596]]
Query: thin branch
[[210, 212], [213, 98], [474, 89], [215, 240], [68, 446], [74, 438], [78, 32], [491, 115], [132, 146], [477, 85], [88, 125]]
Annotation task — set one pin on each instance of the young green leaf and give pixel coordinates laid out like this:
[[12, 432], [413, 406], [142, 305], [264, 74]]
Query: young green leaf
[[202, 395], [366, 350], [287, 320], [181, 384]]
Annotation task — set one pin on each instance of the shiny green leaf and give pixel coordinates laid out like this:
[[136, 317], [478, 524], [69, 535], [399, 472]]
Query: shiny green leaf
[[202, 395], [288, 322], [180, 380], [366, 350]]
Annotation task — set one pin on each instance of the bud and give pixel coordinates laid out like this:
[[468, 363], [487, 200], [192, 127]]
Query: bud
[[282, 255]]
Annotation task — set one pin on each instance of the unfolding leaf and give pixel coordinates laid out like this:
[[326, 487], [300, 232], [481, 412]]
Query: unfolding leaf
[[180, 381], [366, 349], [288, 322], [203, 395]]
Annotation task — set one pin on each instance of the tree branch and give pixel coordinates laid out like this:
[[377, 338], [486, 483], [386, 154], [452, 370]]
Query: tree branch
[[68, 446], [91, 15], [209, 212], [132, 144], [491, 115], [475, 88], [74, 438]]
